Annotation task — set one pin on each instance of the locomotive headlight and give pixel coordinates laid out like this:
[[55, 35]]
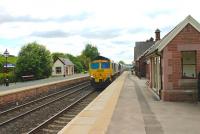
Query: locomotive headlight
[[92, 76]]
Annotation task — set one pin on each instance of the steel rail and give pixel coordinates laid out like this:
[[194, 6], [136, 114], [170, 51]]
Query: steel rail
[[36, 129], [32, 110], [39, 99]]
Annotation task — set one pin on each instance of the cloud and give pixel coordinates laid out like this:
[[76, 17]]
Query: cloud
[[7, 18], [160, 12], [101, 34], [51, 34], [79, 17], [122, 42], [138, 30], [113, 26]]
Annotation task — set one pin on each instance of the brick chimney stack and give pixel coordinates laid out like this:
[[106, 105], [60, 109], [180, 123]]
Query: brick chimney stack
[[157, 32]]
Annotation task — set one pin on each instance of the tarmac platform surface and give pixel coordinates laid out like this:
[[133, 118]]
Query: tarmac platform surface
[[128, 107], [138, 112]]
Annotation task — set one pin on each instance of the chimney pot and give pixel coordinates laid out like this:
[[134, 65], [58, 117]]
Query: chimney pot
[[157, 32]]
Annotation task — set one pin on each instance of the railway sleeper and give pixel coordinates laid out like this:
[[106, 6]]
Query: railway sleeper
[[49, 130], [55, 126], [60, 122], [69, 115], [65, 118]]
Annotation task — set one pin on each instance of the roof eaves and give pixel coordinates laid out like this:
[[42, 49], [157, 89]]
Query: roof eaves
[[189, 20], [61, 60]]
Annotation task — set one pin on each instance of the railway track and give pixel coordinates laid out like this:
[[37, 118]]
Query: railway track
[[54, 124], [20, 118]]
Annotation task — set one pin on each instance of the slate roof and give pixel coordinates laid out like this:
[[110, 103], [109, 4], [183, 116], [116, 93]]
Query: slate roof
[[161, 44], [141, 47], [65, 61]]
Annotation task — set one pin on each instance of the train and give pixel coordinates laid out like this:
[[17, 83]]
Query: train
[[103, 71]]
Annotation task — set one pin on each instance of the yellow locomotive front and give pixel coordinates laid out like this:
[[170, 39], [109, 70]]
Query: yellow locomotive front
[[100, 71]]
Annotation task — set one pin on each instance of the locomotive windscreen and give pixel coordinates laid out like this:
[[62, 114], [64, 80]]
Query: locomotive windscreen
[[95, 65], [105, 65]]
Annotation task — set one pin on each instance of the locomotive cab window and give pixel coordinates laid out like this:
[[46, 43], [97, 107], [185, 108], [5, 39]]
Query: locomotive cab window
[[105, 65], [95, 65]]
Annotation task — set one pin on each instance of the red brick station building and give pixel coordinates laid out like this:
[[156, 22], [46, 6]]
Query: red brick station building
[[172, 64]]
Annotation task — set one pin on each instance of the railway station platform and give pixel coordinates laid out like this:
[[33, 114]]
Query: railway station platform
[[128, 107], [37, 82], [18, 93]]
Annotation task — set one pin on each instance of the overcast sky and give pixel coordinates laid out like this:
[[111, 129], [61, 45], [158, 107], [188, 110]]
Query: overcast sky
[[111, 25]]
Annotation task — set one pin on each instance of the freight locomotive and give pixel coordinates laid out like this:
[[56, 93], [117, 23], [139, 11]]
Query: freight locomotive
[[103, 71]]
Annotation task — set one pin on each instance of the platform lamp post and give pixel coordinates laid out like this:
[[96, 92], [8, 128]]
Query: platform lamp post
[[6, 54]]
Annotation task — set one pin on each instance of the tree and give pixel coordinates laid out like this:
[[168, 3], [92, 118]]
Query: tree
[[78, 67], [121, 62], [90, 51], [56, 55], [88, 54], [34, 59]]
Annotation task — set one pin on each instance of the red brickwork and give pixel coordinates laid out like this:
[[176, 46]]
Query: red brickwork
[[178, 95], [187, 40]]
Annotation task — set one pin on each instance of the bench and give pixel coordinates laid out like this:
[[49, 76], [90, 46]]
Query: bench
[[27, 77]]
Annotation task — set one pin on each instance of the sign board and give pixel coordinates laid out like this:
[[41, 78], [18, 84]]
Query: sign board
[[9, 65]]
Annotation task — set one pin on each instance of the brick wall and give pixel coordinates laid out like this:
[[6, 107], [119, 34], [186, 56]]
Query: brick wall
[[187, 40], [35, 91]]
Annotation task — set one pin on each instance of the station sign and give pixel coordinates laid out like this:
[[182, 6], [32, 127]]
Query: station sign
[[9, 65]]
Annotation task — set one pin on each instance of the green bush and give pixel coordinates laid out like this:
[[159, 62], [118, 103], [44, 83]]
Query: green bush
[[11, 77], [34, 59]]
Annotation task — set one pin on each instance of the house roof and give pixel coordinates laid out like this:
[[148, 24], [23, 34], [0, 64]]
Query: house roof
[[65, 61], [161, 44], [141, 47]]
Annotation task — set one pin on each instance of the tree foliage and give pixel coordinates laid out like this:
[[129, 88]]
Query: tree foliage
[[121, 62], [88, 54], [78, 67], [56, 55], [34, 59]]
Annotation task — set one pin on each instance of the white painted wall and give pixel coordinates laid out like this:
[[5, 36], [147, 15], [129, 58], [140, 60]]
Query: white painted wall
[[58, 63]]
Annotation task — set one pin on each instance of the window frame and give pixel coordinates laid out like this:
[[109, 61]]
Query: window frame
[[58, 68], [182, 75]]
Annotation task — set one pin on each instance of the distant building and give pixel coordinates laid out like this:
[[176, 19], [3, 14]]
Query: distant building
[[140, 63], [62, 67]]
